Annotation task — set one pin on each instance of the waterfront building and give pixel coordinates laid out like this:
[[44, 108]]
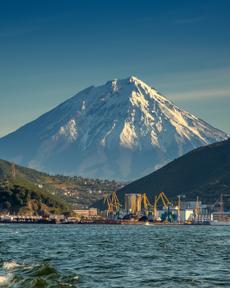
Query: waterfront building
[[87, 213]]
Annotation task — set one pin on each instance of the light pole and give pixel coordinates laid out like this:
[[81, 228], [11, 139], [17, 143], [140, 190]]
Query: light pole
[[179, 207]]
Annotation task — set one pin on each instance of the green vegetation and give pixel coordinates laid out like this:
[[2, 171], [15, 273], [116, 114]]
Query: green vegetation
[[83, 192], [20, 195], [24, 200], [27, 191]]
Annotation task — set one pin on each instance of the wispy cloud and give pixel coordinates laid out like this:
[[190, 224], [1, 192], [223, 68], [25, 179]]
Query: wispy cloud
[[201, 94], [207, 83]]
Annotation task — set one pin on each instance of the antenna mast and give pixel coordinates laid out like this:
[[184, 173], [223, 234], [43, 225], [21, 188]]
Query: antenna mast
[[13, 170]]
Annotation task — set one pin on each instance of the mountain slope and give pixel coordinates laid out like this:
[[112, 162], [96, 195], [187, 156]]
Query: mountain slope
[[79, 192], [121, 130], [21, 192], [204, 172]]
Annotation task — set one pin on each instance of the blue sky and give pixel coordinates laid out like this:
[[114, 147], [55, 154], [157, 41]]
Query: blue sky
[[49, 50]]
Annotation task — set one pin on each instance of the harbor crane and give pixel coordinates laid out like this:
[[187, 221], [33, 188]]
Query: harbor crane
[[220, 203], [164, 200], [147, 205], [112, 202]]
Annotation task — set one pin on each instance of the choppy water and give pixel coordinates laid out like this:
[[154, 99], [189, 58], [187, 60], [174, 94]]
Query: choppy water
[[114, 256]]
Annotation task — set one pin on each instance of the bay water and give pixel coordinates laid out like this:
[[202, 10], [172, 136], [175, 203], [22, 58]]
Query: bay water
[[42, 255]]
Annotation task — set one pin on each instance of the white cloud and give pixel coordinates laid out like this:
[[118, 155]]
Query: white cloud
[[201, 84], [203, 93]]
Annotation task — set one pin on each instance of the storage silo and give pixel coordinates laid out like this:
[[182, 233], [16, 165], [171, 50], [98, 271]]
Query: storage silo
[[133, 203], [138, 203]]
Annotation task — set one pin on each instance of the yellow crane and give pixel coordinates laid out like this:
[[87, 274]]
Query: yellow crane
[[164, 200], [147, 205], [115, 201], [107, 201], [112, 202]]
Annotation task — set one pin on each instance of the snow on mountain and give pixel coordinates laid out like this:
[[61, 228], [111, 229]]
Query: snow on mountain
[[121, 130]]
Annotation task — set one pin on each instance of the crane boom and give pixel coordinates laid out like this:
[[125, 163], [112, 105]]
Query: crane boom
[[112, 202], [146, 203], [164, 200]]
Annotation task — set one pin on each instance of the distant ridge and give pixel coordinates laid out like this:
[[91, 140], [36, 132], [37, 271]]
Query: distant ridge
[[203, 172], [122, 130]]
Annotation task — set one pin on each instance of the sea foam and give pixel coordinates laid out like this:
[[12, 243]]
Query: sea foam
[[10, 265]]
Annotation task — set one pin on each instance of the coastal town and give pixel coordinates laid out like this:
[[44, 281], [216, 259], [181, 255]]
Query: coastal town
[[137, 210]]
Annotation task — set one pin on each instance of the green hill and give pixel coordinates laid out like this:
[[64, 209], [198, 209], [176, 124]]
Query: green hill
[[25, 190], [204, 172], [21, 193]]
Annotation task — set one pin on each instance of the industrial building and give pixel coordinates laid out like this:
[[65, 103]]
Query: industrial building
[[138, 208], [133, 203], [186, 215], [190, 204], [221, 216], [87, 213]]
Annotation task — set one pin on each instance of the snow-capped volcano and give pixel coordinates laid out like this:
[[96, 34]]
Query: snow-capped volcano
[[121, 130]]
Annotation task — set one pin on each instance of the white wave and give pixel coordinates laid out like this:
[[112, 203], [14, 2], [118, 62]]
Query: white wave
[[10, 265]]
